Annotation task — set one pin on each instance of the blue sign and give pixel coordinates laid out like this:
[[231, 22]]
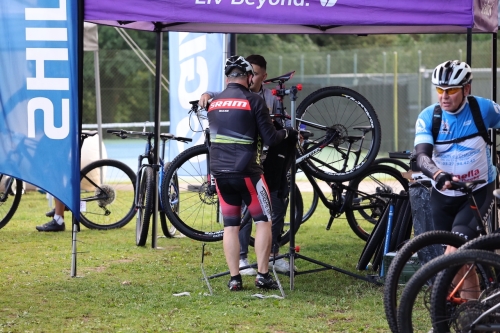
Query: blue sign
[[39, 96], [196, 63]]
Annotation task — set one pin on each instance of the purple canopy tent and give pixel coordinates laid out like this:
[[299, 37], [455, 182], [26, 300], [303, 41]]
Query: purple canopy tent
[[294, 17], [298, 16]]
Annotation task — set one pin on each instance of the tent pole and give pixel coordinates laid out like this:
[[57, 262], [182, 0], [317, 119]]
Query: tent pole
[[159, 51], [469, 46], [98, 110], [75, 226], [494, 64]]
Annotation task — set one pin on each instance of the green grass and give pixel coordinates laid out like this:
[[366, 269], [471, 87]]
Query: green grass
[[124, 288]]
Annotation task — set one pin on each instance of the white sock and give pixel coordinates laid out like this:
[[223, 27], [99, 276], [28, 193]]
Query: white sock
[[59, 219]]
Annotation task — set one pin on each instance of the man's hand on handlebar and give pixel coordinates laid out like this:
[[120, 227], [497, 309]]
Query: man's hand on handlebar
[[444, 179], [204, 99]]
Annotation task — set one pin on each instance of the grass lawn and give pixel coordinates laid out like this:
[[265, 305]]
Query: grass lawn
[[124, 288]]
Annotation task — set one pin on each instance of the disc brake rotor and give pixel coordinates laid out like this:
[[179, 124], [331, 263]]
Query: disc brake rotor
[[207, 194]]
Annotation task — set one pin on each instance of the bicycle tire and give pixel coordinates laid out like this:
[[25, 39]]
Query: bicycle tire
[[409, 306], [107, 205], [11, 199], [144, 205], [443, 280], [338, 111], [393, 162], [285, 235], [309, 209], [198, 216], [401, 259], [169, 230], [366, 187]]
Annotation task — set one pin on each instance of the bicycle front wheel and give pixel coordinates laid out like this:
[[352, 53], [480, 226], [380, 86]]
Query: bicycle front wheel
[[450, 312], [107, 190], [427, 245], [345, 134], [144, 205], [367, 204], [414, 313], [192, 206], [167, 227], [9, 198]]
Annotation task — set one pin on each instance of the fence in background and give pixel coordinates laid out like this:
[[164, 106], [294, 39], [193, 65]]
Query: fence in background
[[395, 80]]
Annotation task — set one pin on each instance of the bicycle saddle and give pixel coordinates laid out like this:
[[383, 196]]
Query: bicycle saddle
[[282, 78]]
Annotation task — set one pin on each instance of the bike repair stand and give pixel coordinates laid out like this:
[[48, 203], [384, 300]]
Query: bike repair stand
[[293, 252]]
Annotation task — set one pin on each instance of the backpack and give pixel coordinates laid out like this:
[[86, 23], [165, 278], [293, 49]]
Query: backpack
[[476, 115]]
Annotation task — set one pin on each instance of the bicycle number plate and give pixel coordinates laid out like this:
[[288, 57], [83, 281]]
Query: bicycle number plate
[[83, 206]]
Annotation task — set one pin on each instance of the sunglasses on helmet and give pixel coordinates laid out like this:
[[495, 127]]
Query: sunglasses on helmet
[[449, 90]]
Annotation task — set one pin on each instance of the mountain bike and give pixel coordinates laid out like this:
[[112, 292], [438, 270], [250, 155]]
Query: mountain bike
[[427, 245], [199, 218], [310, 207], [421, 296], [145, 183], [106, 193]]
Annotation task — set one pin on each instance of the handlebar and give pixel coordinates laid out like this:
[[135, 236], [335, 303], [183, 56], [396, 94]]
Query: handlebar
[[163, 136], [466, 186]]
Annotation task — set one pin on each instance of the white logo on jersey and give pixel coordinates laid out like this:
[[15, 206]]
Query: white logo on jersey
[[497, 107], [467, 123], [445, 127], [420, 126]]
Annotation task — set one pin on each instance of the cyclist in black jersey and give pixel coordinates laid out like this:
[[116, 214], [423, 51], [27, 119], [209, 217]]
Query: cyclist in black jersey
[[274, 171], [239, 127]]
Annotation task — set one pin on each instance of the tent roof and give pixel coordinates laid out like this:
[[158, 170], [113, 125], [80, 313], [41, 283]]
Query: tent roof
[[297, 16]]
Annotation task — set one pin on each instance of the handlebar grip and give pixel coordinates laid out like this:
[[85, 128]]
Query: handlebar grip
[[461, 186], [183, 139]]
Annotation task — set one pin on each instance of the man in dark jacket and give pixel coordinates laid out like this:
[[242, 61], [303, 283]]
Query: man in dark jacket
[[239, 127]]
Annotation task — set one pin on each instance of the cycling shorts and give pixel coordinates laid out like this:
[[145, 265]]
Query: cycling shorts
[[252, 191], [455, 214]]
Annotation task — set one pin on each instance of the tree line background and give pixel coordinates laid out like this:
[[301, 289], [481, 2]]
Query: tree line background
[[371, 65]]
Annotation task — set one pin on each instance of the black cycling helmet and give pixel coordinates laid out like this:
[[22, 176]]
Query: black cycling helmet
[[237, 62], [452, 73]]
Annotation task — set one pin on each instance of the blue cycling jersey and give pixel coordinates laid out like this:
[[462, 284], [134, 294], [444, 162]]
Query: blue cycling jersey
[[470, 159]]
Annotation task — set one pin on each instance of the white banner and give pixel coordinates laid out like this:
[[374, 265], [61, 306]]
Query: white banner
[[196, 65]]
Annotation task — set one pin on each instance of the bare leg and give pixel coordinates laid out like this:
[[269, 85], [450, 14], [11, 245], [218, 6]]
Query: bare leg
[[59, 208], [232, 249], [470, 288], [263, 241]]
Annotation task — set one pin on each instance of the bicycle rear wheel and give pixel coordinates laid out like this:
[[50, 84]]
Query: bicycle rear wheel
[[366, 206], [144, 205], [345, 132], [192, 207], [107, 194], [9, 198]]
